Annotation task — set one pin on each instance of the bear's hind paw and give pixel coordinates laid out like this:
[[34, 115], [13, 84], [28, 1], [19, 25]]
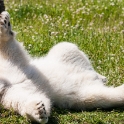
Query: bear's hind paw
[[37, 112]]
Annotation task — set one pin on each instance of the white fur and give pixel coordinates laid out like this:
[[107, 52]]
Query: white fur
[[65, 77]]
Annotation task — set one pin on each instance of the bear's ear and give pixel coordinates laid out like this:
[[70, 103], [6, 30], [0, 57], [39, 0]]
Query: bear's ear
[[2, 7]]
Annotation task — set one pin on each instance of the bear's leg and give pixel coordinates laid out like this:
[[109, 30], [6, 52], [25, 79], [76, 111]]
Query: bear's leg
[[11, 51], [34, 105], [98, 96]]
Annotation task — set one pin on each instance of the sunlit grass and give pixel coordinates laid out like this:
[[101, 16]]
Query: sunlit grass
[[96, 26]]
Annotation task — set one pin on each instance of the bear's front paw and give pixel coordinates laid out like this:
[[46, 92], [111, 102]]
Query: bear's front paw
[[4, 20], [5, 27]]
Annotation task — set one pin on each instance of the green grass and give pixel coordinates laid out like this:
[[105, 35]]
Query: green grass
[[96, 26]]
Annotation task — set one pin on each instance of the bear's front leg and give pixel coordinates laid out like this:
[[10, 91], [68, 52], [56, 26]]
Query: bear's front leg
[[10, 50]]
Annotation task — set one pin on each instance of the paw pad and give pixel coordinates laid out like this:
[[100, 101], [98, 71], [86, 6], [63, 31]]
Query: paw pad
[[38, 112]]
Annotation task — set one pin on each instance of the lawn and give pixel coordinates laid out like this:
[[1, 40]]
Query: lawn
[[96, 26]]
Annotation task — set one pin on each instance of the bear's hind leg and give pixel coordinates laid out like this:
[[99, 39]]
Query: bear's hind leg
[[34, 105]]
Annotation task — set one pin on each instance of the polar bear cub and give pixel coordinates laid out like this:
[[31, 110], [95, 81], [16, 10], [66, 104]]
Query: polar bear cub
[[64, 78], [20, 81]]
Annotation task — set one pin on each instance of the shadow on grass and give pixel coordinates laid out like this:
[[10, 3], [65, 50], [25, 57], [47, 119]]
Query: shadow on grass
[[54, 118], [55, 115], [56, 112]]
